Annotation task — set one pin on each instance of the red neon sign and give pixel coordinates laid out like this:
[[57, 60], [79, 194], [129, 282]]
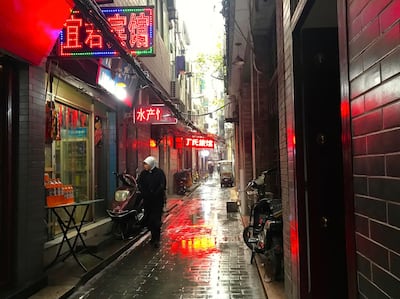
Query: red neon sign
[[195, 142], [153, 114], [133, 25]]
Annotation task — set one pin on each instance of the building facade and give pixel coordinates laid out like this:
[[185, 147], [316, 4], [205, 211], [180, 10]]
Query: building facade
[[59, 122], [330, 69]]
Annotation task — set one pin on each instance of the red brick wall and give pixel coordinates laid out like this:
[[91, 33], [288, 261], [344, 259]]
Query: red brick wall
[[374, 71]]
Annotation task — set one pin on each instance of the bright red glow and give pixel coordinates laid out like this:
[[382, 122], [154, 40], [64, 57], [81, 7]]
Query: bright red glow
[[118, 23], [178, 142], [72, 33], [201, 245], [94, 38], [153, 114], [147, 114], [132, 25], [193, 240], [192, 235], [29, 29], [345, 109], [198, 142], [170, 141], [152, 143], [294, 242], [291, 139]]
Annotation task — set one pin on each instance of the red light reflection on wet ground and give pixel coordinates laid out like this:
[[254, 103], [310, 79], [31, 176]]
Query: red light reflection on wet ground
[[188, 244], [191, 235]]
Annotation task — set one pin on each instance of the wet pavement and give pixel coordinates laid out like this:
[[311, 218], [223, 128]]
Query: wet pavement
[[202, 255]]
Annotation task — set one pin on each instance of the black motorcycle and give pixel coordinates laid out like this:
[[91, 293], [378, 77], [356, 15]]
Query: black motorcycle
[[127, 209], [264, 234]]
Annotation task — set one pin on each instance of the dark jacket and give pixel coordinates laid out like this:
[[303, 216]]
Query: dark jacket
[[152, 185]]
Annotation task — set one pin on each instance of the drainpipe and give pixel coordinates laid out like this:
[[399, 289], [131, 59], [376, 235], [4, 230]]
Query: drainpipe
[[253, 137]]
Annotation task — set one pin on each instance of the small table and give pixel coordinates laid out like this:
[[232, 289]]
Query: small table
[[69, 224]]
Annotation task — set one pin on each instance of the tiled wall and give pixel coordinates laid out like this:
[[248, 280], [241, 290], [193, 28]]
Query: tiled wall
[[29, 191], [287, 155], [374, 58]]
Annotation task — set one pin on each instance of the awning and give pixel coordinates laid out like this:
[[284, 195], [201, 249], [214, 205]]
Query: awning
[[29, 29]]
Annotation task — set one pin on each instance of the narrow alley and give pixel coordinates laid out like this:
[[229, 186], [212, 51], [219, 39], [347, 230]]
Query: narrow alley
[[202, 255]]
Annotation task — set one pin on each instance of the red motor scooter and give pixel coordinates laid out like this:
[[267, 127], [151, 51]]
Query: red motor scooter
[[127, 209]]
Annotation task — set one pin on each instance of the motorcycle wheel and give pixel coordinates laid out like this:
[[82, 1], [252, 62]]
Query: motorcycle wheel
[[277, 258], [247, 235], [120, 230]]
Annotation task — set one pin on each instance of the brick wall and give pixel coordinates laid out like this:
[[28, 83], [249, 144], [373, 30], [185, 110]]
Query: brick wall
[[287, 155], [374, 57]]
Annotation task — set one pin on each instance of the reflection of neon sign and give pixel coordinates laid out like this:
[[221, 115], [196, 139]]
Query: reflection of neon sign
[[198, 245], [194, 142], [153, 114], [133, 25], [189, 240]]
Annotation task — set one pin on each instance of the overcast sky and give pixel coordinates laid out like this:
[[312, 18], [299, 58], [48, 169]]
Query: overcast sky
[[204, 22]]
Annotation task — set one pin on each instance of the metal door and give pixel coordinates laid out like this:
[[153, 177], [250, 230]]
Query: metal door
[[8, 83], [318, 111]]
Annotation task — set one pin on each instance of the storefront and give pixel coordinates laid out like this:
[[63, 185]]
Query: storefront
[[77, 146]]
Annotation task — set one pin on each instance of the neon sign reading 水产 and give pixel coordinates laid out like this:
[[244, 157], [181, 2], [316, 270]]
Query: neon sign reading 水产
[[153, 114], [147, 114], [134, 26]]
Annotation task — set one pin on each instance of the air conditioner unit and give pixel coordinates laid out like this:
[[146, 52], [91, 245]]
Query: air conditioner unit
[[230, 109], [175, 90]]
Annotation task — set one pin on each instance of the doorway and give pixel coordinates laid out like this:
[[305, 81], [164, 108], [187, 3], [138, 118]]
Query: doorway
[[319, 161], [8, 100]]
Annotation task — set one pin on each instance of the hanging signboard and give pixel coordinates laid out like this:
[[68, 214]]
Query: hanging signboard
[[133, 25], [194, 142], [156, 114]]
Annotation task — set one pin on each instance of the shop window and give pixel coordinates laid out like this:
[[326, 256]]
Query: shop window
[[67, 154]]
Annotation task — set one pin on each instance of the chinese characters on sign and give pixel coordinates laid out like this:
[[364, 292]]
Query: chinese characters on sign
[[133, 25], [153, 114], [195, 142]]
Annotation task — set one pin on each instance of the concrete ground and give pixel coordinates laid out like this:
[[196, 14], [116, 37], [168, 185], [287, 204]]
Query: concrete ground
[[202, 255]]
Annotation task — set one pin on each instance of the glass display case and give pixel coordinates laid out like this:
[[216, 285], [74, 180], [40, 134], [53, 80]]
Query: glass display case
[[74, 168], [67, 157]]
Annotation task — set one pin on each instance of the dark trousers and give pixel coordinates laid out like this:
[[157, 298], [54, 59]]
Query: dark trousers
[[153, 220]]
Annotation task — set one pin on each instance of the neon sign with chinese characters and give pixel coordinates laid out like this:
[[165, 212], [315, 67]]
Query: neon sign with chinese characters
[[153, 114], [194, 142], [133, 25]]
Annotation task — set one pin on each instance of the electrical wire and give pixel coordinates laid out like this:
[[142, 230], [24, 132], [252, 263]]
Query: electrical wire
[[208, 113], [93, 11]]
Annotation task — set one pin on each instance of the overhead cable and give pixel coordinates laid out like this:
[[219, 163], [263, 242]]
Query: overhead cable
[[92, 11]]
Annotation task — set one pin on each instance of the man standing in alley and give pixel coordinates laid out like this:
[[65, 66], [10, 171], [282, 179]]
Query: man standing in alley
[[152, 184]]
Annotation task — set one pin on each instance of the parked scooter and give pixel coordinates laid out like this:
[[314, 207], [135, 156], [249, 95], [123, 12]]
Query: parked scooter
[[264, 234], [180, 178], [127, 209]]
